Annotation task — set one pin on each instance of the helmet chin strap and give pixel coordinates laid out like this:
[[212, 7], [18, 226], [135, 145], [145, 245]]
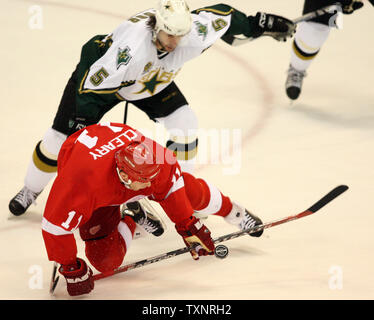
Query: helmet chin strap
[[156, 41]]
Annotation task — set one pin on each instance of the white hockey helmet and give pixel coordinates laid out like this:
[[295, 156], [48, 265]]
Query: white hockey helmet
[[173, 17]]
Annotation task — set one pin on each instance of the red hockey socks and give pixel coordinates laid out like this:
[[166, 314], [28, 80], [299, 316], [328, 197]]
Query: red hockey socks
[[206, 198]]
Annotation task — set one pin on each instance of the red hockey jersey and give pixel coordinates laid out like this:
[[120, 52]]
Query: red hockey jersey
[[87, 180]]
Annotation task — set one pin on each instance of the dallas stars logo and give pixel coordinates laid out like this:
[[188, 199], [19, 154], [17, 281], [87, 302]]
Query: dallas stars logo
[[202, 29], [123, 57], [151, 84]]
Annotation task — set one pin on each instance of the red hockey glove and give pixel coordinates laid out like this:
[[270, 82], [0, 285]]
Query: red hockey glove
[[196, 236], [78, 277]]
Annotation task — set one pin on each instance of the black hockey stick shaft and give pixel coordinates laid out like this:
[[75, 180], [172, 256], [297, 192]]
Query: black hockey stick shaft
[[125, 113], [315, 207], [54, 278]]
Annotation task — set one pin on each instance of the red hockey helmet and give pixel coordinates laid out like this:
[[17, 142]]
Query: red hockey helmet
[[138, 161]]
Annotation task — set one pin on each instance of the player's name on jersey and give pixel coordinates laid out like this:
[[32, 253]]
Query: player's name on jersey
[[118, 141]]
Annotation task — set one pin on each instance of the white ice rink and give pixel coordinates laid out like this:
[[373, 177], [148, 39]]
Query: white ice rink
[[290, 156]]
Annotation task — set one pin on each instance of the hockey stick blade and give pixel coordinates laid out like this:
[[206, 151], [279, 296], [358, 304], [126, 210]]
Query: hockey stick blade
[[334, 193], [54, 279], [314, 208], [328, 198]]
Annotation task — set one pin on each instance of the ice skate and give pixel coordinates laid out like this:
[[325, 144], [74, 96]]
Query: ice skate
[[143, 218], [23, 199], [243, 219], [294, 82]]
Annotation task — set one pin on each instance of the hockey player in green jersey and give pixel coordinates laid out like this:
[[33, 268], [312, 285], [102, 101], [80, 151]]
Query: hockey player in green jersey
[[138, 62]]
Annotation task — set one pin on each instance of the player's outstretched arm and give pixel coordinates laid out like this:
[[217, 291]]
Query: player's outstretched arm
[[251, 27], [263, 24]]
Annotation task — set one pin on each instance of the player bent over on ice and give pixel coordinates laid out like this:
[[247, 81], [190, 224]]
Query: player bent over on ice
[[104, 166], [138, 62]]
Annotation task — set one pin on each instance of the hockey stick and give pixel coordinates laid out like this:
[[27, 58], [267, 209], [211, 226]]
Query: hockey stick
[[314, 208], [237, 41], [54, 278], [125, 113]]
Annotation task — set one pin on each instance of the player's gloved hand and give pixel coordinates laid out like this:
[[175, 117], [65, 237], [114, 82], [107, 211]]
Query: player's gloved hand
[[78, 278], [348, 6], [280, 28], [196, 236]]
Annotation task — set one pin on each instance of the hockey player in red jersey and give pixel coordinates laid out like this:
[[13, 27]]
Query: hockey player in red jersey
[[104, 166]]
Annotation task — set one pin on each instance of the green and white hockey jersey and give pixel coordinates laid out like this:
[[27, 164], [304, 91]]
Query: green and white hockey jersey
[[125, 65]]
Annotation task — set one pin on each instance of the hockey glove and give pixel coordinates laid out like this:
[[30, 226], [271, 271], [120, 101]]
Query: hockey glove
[[196, 236], [348, 6], [277, 27], [78, 278]]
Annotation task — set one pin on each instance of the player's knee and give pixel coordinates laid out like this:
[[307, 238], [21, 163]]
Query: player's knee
[[107, 253], [182, 126], [309, 39], [46, 151]]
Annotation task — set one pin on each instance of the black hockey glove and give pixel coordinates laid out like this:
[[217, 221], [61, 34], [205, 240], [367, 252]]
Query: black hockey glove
[[348, 6], [265, 24]]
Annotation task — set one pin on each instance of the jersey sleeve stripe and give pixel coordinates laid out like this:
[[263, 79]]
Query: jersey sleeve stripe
[[103, 91], [176, 186], [215, 202], [53, 229], [219, 12]]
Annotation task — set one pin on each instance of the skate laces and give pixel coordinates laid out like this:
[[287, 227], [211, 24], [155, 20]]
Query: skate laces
[[247, 222], [143, 218], [26, 197], [148, 224], [295, 77]]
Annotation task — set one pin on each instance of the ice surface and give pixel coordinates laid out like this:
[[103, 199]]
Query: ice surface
[[291, 155]]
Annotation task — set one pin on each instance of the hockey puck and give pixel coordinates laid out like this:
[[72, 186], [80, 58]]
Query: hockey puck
[[221, 251]]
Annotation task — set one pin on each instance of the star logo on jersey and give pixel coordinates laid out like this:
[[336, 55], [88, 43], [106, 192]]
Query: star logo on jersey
[[151, 84], [202, 29], [123, 57]]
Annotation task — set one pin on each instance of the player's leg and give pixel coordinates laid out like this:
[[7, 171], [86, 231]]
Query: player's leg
[[182, 125], [42, 166], [206, 199], [308, 40], [107, 237], [171, 109], [109, 233]]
